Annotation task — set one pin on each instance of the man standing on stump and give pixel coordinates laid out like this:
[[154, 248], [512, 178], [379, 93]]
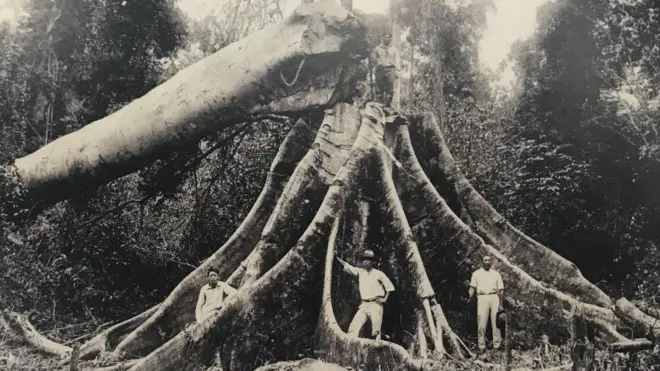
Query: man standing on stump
[[375, 288], [386, 64], [487, 284]]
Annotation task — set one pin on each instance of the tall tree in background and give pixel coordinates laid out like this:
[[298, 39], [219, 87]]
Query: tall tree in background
[[447, 78], [79, 60], [580, 174], [68, 63]]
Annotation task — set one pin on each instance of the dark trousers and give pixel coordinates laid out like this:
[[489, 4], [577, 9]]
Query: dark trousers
[[385, 78]]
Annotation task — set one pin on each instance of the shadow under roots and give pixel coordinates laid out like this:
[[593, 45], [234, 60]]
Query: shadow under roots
[[448, 267], [449, 270], [289, 317]]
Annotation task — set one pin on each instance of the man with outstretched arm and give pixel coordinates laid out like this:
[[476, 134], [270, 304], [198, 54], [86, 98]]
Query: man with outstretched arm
[[488, 285], [375, 289], [212, 295]]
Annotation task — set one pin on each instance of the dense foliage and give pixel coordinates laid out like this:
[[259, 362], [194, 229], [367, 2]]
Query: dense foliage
[[569, 155], [583, 169], [93, 258]]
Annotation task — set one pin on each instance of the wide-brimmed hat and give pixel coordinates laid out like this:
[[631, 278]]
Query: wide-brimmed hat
[[368, 254]]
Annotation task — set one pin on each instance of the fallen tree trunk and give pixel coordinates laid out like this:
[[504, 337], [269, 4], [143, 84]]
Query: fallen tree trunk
[[634, 345], [306, 61]]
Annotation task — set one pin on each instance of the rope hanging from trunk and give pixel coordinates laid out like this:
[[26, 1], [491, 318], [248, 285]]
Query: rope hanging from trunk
[[295, 78], [396, 162]]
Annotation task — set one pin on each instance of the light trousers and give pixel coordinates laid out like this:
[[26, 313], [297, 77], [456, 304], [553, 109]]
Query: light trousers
[[487, 307], [371, 311]]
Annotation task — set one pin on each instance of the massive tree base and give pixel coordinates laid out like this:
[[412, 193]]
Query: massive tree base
[[364, 177]]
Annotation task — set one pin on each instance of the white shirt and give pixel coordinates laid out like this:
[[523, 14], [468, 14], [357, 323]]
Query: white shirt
[[373, 283], [386, 56], [486, 281], [211, 298]]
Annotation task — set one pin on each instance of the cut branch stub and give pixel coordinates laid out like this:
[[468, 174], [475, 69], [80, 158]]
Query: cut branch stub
[[241, 80]]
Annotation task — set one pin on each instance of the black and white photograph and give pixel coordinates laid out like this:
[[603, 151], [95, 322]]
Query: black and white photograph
[[329, 185]]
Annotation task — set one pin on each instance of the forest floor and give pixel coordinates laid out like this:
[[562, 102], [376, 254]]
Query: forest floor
[[15, 355]]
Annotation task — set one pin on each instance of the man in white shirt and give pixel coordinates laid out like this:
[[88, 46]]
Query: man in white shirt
[[375, 289], [212, 296], [386, 63], [487, 284]]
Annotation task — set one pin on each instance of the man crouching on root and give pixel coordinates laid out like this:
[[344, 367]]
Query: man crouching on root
[[375, 288]]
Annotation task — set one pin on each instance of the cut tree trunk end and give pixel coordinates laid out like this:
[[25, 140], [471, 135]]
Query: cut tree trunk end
[[308, 60], [634, 345]]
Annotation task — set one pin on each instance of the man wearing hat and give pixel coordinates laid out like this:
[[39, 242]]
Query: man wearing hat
[[375, 288]]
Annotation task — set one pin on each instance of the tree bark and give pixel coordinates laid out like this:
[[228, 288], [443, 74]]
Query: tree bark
[[305, 61], [428, 209], [445, 175], [178, 310], [284, 290], [285, 310], [304, 193]]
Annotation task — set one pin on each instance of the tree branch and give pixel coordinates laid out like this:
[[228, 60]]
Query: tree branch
[[113, 210]]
